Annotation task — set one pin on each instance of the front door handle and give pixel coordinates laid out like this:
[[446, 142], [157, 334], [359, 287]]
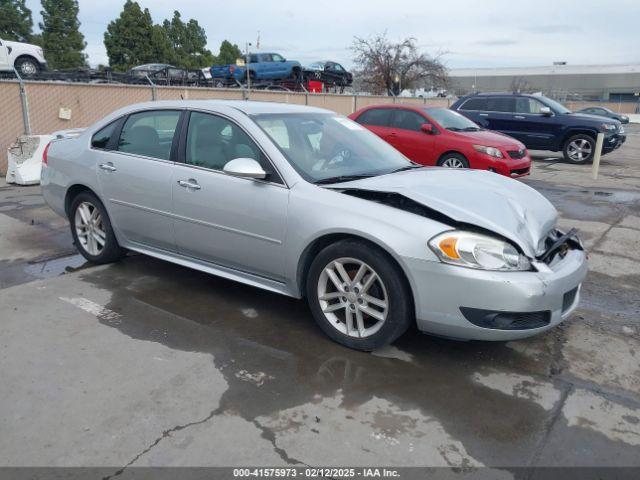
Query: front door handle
[[190, 184], [519, 117], [107, 167], [484, 114]]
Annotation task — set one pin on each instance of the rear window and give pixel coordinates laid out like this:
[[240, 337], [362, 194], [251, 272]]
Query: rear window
[[377, 117], [475, 104]]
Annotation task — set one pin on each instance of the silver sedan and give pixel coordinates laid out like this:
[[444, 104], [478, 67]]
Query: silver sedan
[[306, 203]]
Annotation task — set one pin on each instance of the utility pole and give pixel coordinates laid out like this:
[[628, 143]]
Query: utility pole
[[247, 67]]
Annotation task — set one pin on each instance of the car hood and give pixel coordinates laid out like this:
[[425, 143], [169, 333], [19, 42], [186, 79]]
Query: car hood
[[484, 199], [22, 45], [599, 119], [490, 139]]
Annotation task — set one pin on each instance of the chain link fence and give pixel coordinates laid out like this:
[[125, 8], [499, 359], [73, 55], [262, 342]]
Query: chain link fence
[[53, 106]]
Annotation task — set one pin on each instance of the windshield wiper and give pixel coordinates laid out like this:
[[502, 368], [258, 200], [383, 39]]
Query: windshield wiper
[[453, 129], [471, 129], [341, 178], [408, 167]]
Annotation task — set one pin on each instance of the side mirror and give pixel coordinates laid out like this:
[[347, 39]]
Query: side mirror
[[245, 168], [546, 111], [427, 128], [283, 60]]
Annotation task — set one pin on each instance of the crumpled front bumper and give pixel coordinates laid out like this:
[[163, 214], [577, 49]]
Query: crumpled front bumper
[[440, 290]]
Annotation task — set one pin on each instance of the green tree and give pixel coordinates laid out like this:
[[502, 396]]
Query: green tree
[[62, 41], [15, 21], [188, 42], [229, 53], [132, 39]]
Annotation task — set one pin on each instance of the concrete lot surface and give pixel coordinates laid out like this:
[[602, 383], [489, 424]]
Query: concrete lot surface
[[144, 363]]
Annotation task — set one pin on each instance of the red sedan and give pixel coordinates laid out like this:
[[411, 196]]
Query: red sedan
[[439, 136]]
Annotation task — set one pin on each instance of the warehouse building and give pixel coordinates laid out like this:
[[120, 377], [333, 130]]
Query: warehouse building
[[612, 83]]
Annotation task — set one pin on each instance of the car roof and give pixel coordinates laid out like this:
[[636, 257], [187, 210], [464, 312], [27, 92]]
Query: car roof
[[501, 94], [247, 107]]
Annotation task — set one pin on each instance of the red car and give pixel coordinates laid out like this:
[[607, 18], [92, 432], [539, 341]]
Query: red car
[[439, 136]]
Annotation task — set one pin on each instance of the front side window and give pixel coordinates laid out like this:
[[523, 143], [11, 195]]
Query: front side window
[[277, 58], [377, 117], [323, 146], [407, 120], [451, 120], [102, 137], [149, 133], [528, 105], [214, 141]]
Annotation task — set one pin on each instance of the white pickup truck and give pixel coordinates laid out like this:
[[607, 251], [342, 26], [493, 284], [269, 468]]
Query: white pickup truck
[[27, 59]]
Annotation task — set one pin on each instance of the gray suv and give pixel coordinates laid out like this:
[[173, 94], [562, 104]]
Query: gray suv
[[542, 124]]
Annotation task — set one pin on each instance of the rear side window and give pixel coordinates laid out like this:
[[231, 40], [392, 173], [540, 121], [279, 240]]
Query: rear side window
[[377, 117], [407, 120], [476, 103], [501, 104], [101, 138], [149, 133]]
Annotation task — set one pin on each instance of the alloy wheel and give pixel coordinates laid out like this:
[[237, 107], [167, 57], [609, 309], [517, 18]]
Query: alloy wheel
[[579, 150], [353, 297], [453, 162], [28, 68], [90, 229]]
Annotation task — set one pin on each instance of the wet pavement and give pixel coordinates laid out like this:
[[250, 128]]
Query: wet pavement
[[145, 363]]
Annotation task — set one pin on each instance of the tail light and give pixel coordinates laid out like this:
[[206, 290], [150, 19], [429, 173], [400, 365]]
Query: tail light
[[45, 153]]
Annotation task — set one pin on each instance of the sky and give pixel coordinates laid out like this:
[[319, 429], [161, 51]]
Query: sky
[[468, 34]]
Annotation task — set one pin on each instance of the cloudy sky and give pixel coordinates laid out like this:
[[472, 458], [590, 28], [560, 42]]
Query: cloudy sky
[[470, 33]]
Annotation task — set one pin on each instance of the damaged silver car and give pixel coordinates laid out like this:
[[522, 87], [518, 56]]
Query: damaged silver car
[[306, 203]]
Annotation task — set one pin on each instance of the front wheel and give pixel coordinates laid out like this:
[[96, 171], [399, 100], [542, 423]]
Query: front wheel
[[453, 160], [27, 67], [92, 231], [358, 296], [579, 149]]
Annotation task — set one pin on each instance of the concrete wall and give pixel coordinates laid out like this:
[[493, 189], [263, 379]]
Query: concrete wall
[[88, 103]]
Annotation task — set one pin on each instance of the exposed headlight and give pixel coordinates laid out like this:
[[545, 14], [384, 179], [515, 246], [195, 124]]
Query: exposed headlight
[[609, 126], [491, 151], [474, 250]]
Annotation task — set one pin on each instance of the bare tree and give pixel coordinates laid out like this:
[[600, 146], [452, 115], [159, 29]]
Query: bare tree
[[384, 66], [520, 85]]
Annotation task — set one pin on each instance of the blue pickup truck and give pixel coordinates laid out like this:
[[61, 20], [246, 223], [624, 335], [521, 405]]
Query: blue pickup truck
[[261, 66]]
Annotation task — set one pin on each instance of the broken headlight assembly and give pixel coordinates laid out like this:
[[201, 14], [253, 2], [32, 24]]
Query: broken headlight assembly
[[474, 250]]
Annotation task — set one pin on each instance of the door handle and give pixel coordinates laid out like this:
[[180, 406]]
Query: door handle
[[191, 184], [519, 117], [108, 167], [484, 114]]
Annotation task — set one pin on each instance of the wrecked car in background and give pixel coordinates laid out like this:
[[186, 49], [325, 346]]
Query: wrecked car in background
[[306, 203]]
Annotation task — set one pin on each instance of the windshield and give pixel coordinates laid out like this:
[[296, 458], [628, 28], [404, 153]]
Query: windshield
[[452, 120], [555, 106], [326, 147]]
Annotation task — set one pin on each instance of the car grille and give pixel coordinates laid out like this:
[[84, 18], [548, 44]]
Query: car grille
[[520, 171], [517, 153]]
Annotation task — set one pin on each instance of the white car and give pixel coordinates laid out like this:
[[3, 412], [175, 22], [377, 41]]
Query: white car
[[27, 59]]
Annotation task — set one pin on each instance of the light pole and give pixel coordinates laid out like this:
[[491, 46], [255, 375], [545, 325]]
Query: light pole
[[247, 67]]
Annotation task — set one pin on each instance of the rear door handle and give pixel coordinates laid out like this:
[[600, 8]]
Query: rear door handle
[[108, 167], [190, 184], [519, 117], [484, 114]]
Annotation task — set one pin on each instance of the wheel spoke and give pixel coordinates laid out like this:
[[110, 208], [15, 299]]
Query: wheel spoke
[[368, 282], [360, 323], [330, 296], [373, 313], [342, 272], [375, 301], [348, 320], [94, 214], [360, 273], [333, 307], [100, 241], [334, 278], [84, 213]]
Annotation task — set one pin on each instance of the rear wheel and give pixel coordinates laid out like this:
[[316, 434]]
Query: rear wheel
[[579, 149], [358, 296], [453, 160], [92, 231]]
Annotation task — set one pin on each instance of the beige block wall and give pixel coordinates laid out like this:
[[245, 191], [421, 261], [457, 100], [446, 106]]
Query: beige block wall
[[88, 103]]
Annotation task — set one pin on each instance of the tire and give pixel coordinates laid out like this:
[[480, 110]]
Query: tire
[[27, 66], [453, 160], [110, 251], [372, 324], [579, 149]]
